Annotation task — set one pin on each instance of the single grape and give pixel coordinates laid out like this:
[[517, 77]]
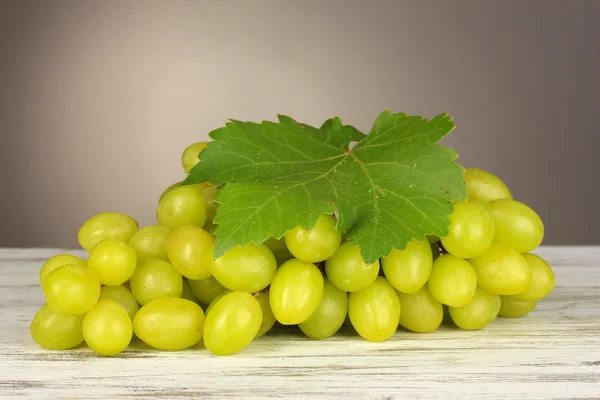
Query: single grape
[[248, 268], [186, 291], [114, 262], [150, 242], [542, 279], [453, 281], [107, 328], [317, 244], [232, 323], [421, 312], [189, 157], [122, 296], [206, 290], [56, 331], [347, 271], [375, 311], [471, 230], [279, 249], [268, 319], [108, 225], [511, 308], [190, 251], [479, 313], [408, 270], [58, 261], [154, 279], [183, 205], [329, 316], [517, 225], [219, 297], [168, 190], [296, 291], [169, 323], [485, 187], [72, 289], [502, 270]]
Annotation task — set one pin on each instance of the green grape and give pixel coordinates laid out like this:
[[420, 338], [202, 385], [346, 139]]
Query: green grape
[[169, 190], [542, 279], [408, 270], [169, 323], [212, 303], [107, 328], [347, 271], [248, 268], [108, 225], [58, 261], [421, 312], [479, 313], [279, 249], [154, 279], [190, 251], [296, 291], [268, 319], [471, 230], [511, 308], [122, 296], [502, 270], [317, 244], [56, 331], [517, 225], [189, 157], [329, 316], [453, 281], [375, 311], [210, 193], [184, 205], [72, 289], [232, 323], [114, 262], [150, 242], [186, 291], [485, 187], [206, 290]]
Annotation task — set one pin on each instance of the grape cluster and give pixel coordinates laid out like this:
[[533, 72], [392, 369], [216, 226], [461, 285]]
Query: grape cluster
[[162, 284]]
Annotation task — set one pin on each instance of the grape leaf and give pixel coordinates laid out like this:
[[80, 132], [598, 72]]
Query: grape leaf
[[394, 185]]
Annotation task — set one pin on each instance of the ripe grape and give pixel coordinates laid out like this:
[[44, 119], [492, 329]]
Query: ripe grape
[[317, 244], [511, 308], [232, 323], [114, 262], [210, 306], [107, 328], [453, 281], [268, 319], [186, 291], [347, 270], [375, 311], [56, 331], [485, 187], [206, 290], [154, 279], [517, 225], [329, 315], [189, 157], [169, 323], [471, 230], [183, 205], [58, 261], [296, 291], [421, 312], [190, 251], [122, 296], [108, 225], [72, 289], [150, 242], [479, 313], [168, 190], [502, 270], [408, 270], [542, 279]]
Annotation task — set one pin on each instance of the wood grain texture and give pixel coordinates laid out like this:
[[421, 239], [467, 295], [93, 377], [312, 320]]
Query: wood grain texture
[[554, 353]]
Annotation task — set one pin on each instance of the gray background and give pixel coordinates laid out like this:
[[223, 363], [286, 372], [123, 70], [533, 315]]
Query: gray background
[[98, 99]]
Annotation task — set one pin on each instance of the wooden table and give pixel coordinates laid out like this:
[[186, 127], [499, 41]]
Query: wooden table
[[554, 353]]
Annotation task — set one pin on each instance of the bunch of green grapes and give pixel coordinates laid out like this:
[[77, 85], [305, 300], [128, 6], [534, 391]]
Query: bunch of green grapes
[[162, 285]]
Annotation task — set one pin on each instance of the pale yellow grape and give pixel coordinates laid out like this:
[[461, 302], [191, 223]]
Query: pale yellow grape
[[206, 290], [122, 296], [186, 291], [58, 261], [114, 262], [485, 187], [190, 154], [517, 225], [296, 291], [452, 281], [56, 331], [268, 319], [190, 251], [107, 225], [408, 270], [169, 189], [542, 279], [421, 312], [502, 270], [232, 323], [375, 311], [347, 271], [150, 242], [329, 316], [154, 279], [471, 230], [72, 289], [107, 328], [479, 313], [316, 244], [169, 323], [184, 205], [511, 308], [215, 301]]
